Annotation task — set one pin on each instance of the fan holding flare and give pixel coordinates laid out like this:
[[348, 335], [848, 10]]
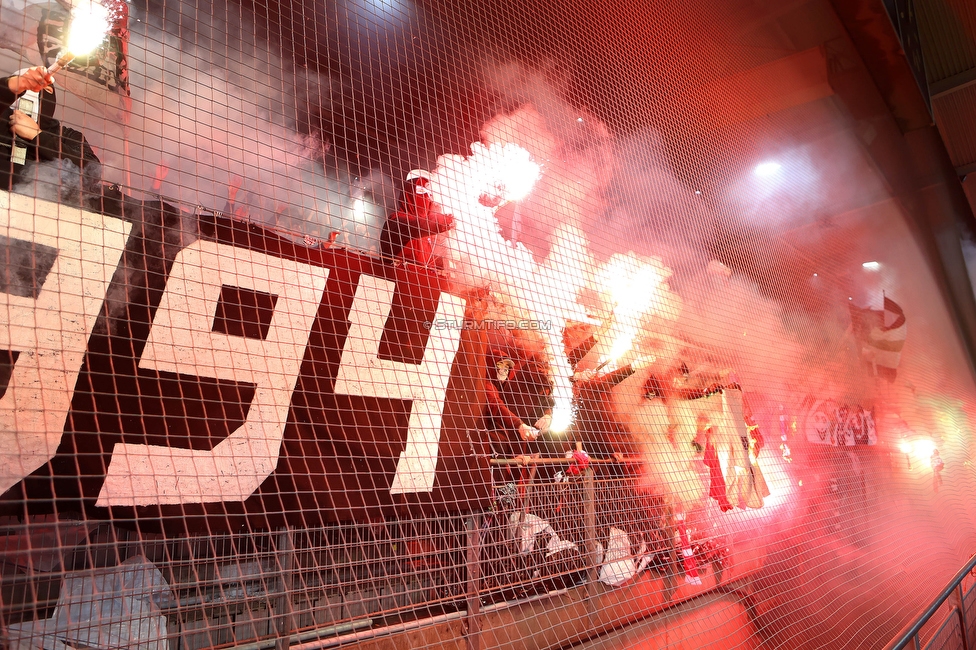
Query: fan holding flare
[[472, 189]]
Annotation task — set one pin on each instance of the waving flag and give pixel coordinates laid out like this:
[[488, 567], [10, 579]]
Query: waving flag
[[881, 336]]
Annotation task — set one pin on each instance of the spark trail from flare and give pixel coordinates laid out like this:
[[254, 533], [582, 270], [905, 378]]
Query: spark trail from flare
[[634, 286], [472, 188]]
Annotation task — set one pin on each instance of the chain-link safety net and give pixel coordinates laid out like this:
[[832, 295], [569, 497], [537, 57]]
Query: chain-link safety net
[[430, 324]]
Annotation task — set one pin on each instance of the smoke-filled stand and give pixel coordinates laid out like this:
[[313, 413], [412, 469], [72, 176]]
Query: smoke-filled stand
[[424, 325]]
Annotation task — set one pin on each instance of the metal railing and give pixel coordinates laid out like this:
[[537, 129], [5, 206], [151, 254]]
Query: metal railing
[[262, 589], [959, 628]]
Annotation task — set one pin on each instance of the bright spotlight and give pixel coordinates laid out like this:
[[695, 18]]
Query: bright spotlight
[[871, 266], [383, 13], [905, 447], [767, 169]]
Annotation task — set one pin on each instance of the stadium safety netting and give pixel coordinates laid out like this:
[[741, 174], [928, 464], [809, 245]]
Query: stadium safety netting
[[415, 323]]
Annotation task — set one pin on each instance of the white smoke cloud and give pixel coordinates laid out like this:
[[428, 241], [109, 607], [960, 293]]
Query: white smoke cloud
[[728, 314], [59, 181], [210, 104]]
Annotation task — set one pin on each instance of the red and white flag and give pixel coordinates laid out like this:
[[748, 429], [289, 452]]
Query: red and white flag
[[881, 335]]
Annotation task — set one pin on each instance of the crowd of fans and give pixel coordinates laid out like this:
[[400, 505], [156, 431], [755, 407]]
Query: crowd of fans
[[518, 389]]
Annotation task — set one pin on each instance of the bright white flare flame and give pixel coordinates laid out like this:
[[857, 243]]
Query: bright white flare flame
[[508, 170], [767, 169], [635, 288], [923, 448], [471, 189], [359, 211], [562, 415], [90, 23]]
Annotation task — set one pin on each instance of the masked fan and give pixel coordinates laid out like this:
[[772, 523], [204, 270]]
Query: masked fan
[[408, 233], [506, 405]]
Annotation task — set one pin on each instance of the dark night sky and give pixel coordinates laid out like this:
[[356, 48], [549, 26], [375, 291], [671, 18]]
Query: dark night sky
[[411, 81]]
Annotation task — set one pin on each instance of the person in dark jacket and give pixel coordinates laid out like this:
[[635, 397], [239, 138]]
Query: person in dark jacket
[[507, 431], [597, 425], [28, 141]]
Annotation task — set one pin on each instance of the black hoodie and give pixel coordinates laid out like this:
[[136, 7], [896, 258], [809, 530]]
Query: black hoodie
[[53, 142]]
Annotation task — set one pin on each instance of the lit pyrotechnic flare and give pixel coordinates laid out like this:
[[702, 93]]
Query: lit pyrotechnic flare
[[508, 173], [90, 23], [923, 449], [634, 286], [472, 189]]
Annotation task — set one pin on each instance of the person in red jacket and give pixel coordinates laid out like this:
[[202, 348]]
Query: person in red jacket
[[408, 234]]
